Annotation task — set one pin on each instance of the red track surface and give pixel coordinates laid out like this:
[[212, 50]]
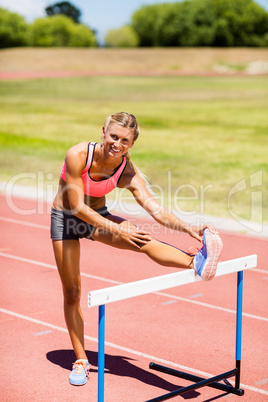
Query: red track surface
[[192, 326], [29, 75]]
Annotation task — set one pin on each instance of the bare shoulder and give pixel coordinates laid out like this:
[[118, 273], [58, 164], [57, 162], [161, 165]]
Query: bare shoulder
[[76, 156], [77, 149]]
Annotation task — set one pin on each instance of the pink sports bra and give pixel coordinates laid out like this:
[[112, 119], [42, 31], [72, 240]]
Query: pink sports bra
[[97, 188]]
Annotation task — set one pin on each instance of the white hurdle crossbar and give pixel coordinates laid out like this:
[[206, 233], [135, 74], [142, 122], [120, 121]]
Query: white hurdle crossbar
[[125, 291]]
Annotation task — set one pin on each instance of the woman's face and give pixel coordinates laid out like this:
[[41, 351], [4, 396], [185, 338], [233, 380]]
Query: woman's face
[[117, 140]]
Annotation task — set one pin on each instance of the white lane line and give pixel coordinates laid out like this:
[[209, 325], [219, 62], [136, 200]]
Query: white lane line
[[196, 295], [43, 264], [25, 223], [262, 382], [167, 295], [262, 271], [43, 333], [35, 225], [226, 310], [128, 350]]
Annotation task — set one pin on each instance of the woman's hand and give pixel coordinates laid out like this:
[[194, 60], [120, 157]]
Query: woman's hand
[[129, 233], [197, 232]]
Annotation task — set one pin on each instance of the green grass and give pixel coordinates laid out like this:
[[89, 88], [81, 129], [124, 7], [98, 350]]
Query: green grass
[[199, 135]]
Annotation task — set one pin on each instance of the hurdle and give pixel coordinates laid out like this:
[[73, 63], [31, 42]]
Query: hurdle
[[111, 294]]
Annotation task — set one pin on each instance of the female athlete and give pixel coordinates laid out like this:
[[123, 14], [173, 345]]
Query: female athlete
[[90, 171]]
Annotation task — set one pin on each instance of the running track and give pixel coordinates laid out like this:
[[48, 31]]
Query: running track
[[191, 327]]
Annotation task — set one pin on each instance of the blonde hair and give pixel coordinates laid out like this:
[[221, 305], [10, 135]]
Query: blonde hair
[[129, 121], [125, 120]]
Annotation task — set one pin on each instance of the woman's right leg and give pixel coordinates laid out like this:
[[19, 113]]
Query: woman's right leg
[[162, 253], [67, 255]]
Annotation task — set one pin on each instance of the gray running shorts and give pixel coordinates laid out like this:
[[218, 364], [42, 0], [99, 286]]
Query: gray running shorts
[[66, 226]]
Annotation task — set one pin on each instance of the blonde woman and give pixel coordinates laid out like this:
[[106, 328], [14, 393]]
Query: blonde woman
[[90, 171]]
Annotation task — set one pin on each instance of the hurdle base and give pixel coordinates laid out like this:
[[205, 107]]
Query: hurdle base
[[199, 382]]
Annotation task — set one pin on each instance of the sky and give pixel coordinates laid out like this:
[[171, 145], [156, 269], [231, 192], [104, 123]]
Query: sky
[[100, 15]]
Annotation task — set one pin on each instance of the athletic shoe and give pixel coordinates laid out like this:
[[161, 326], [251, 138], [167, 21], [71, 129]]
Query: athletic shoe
[[206, 261], [80, 373]]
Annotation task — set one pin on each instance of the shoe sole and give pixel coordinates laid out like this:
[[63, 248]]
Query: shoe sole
[[77, 383], [214, 249]]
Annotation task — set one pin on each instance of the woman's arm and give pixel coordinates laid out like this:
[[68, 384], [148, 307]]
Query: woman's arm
[[161, 214]]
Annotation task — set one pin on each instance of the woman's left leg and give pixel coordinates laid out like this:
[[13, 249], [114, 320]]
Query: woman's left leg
[[67, 255], [162, 253]]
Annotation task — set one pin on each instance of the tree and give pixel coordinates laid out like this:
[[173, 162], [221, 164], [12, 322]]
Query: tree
[[64, 8], [145, 23], [53, 31], [122, 37], [202, 23], [60, 30], [82, 36], [13, 29]]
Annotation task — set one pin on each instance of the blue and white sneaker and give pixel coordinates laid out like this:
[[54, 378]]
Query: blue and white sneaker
[[206, 260], [80, 372]]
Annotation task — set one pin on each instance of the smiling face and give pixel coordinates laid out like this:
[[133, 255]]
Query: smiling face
[[117, 140]]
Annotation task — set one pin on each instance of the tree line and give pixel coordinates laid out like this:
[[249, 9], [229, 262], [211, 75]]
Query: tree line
[[202, 23], [61, 27], [219, 23]]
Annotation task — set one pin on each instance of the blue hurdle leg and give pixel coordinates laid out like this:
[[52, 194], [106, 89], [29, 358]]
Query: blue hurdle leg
[[239, 326], [101, 355]]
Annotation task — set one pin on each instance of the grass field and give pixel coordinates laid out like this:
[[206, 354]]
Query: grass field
[[200, 136]]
